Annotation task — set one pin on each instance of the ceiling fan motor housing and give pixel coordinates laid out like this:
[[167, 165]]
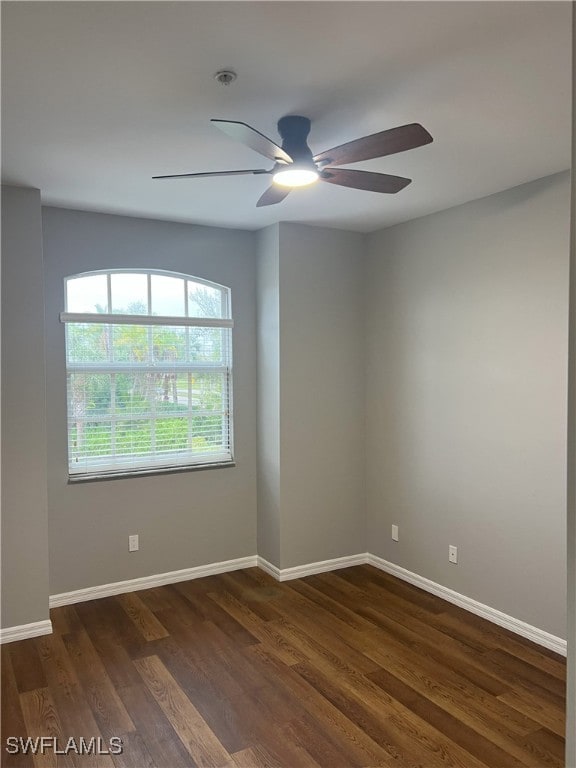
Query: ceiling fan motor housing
[[294, 130]]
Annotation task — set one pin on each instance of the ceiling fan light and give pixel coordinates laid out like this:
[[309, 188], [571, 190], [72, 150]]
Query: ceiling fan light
[[295, 177]]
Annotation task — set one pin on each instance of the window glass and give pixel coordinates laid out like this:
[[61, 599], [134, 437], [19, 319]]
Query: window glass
[[204, 301], [147, 392], [168, 294], [87, 294], [129, 293]]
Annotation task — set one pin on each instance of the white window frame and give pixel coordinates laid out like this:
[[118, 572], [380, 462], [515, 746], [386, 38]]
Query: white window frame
[[122, 466]]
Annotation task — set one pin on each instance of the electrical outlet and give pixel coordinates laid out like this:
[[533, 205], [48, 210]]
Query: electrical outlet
[[452, 553], [133, 543], [394, 533]]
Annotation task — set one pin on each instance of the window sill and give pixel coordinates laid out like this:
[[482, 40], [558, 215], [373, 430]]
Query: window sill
[[78, 479]]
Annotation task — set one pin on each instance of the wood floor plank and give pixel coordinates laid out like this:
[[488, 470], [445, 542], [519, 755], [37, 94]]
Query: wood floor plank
[[427, 623], [157, 598], [237, 711], [542, 658], [115, 660], [368, 574], [368, 751], [547, 747], [481, 713], [171, 598], [106, 705], [259, 756], [12, 723], [446, 684], [244, 588], [262, 630], [497, 633], [322, 745], [325, 603], [545, 715], [192, 730], [499, 724], [260, 577], [208, 610], [109, 622], [314, 648], [180, 618], [144, 620], [135, 753], [27, 666], [65, 619], [73, 710], [443, 650], [410, 593], [341, 727], [490, 636], [279, 749], [254, 757], [512, 669], [42, 719], [215, 695], [202, 638], [241, 705], [471, 740], [349, 669], [155, 731], [327, 629], [407, 737]]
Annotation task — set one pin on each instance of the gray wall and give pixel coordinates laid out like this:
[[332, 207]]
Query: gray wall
[[24, 504], [465, 403], [466, 396], [311, 395], [269, 522], [321, 394], [571, 676], [185, 519]]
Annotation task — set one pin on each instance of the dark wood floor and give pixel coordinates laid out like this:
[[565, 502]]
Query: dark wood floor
[[351, 668]]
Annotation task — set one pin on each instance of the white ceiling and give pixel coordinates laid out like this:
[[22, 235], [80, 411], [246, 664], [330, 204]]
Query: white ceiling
[[99, 96]]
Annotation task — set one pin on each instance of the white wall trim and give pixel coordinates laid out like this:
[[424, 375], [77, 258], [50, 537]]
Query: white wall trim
[[156, 580], [270, 569], [25, 631], [539, 636], [517, 626], [322, 566]]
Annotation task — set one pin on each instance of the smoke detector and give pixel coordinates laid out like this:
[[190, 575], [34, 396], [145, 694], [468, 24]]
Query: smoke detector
[[225, 76]]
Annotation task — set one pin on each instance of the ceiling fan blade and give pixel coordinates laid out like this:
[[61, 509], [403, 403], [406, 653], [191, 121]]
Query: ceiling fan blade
[[274, 194], [371, 182], [211, 173], [377, 145], [252, 138]]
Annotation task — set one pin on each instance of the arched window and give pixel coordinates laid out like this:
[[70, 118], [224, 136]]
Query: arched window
[[149, 372]]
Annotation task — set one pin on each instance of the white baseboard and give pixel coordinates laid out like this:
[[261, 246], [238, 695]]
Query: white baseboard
[[156, 580], [517, 626], [270, 569], [25, 631], [521, 628], [322, 566]]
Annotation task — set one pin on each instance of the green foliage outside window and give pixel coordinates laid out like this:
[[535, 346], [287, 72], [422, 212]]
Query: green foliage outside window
[[138, 413]]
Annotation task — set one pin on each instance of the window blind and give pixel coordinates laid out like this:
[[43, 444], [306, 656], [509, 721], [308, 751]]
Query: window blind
[[148, 391]]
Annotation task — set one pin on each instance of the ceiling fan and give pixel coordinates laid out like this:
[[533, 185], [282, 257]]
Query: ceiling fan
[[295, 166]]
